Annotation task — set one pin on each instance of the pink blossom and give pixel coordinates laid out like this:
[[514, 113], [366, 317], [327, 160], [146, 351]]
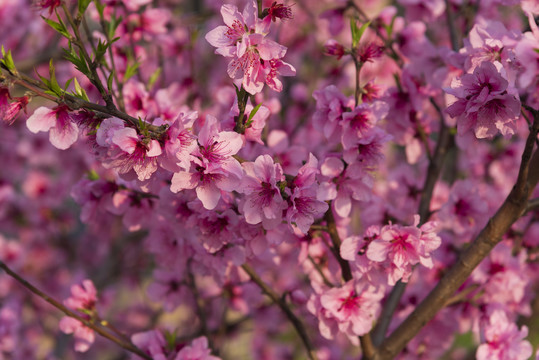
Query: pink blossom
[[484, 103], [197, 350], [212, 166], [527, 55], [334, 48], [10, 323], [83, 298], [253, 132], [465, 211], [243, 39], [404, 246], [84, 336], [491, 41], [62, 131], [279, 11], [423, 10], [169, 288], [152, 343], [330, 107], [138, 153], [179, 142], [304, 205], [10, 109], [357, 123], [353, 306], [263, 201], [501, 338]]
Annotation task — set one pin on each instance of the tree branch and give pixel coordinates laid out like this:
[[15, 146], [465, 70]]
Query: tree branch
[[277, 299], [124, 344], [513, 207]]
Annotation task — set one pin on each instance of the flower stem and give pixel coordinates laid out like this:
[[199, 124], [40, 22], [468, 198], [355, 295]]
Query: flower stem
[[126, 345]]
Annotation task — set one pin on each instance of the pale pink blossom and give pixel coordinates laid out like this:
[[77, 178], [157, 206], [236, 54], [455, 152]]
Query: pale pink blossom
[[401, 247], [353, 307], [212, 167], [83, 299], [243, 39], [501, 338], [58, 122]]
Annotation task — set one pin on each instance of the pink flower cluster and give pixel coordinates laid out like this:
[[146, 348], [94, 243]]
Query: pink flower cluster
[[253, 57]]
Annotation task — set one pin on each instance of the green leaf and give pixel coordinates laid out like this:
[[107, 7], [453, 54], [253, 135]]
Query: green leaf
[[7, 61], [100, 7], [68, 82], [170, 338], [100, 51], [92, 175], [251, 115], [53, 84], [79, 91], [355, 32], [109, 81], [77, 60], [154, 77], [389, 28], [362, 29], [131, 70], [112, 25], [83, 5], [59, 27]]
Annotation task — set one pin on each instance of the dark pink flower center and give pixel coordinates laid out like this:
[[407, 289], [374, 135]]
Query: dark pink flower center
[[463, 208], [266, 194], [350, 303]]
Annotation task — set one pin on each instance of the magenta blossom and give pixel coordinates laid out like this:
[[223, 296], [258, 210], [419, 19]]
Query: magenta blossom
[[305, 206], [485, 103], [263, 201], [10, 109]]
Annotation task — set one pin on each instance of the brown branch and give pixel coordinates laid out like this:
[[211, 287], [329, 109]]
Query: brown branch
[[199, 305], [92, 66], [336, 248], [433, 173], [277, 299], [124, 344], [533, 204], [367, 347], [510, 211]]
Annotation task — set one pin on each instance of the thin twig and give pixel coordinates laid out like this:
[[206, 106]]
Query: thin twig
[[336, 248], [277, 299], [199, 305], [126, 345], [321, 273]]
